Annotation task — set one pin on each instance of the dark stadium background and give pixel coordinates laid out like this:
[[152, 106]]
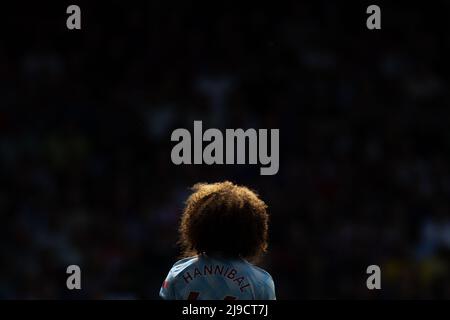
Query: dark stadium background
[[86, 117]]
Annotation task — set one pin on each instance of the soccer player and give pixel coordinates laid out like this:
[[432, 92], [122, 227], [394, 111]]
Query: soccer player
[[223, 227]]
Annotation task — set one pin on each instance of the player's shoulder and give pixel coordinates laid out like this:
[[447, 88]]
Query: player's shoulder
[[182, 265], [264, 281], [260, 272]]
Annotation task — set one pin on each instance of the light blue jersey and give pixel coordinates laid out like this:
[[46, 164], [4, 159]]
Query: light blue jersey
[[206, 278]]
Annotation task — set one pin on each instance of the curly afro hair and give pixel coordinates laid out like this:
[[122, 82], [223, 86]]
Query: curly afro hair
[[224, 219]]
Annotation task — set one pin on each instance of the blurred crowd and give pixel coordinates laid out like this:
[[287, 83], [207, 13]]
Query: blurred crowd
[[85, 124]]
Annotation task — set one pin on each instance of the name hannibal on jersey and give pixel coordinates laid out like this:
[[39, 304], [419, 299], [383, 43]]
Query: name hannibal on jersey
[[206, 278]]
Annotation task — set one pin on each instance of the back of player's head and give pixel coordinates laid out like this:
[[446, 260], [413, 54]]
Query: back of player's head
[[226, 219]]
